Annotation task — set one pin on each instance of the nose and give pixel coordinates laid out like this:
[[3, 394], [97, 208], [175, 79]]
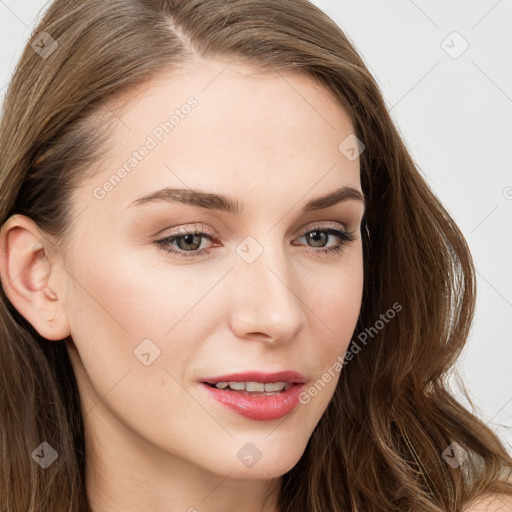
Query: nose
[[266, 302]]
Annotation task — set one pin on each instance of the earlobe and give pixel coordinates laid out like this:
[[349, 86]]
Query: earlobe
[[25, 272]]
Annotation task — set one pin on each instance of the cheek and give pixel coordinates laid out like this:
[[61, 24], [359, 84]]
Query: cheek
[[126, 304], [334, 311], [127, 297], [120, 312], [335, 303]]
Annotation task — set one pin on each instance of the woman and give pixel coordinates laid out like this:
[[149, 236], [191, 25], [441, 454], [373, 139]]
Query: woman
[[225, 285]]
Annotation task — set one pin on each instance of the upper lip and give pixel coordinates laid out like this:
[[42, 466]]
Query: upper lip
[[255, 376]]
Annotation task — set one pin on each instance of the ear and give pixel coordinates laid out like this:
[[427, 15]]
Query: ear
[[26, 272]]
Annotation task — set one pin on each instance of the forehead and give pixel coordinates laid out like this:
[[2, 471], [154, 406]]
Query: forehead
[[249, 130]]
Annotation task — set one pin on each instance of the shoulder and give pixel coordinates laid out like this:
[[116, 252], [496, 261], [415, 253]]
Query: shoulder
[[492, 503]]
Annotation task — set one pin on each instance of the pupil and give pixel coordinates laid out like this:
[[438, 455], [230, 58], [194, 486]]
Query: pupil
[[314, 236], [188, 238]]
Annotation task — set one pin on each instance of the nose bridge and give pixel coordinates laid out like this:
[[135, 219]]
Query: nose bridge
[[265, 299]]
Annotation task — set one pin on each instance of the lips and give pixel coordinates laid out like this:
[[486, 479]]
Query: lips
[[257, 406]]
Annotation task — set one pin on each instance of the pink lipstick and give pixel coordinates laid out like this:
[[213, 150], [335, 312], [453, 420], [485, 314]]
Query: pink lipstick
[[256, 395]]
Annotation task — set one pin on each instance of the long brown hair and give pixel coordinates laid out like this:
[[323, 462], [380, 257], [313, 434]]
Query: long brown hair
[[379, 445]]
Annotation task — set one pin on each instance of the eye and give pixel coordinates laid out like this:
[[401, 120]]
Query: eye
[[318, 235], [189, 242]]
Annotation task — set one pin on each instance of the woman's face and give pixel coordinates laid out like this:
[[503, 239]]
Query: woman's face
[[257, 291]]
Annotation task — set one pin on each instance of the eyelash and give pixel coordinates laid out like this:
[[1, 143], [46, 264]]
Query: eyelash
[[345, 238]]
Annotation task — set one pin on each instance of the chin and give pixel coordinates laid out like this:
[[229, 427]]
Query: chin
[[257, 457]]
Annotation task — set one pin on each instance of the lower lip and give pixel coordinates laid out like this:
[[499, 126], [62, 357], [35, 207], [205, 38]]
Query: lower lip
[[258, 407]]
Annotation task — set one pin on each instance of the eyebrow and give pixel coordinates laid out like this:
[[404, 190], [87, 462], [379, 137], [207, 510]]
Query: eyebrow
[[227, 204]]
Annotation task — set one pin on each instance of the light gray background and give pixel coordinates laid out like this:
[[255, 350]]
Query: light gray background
[[456, 117]]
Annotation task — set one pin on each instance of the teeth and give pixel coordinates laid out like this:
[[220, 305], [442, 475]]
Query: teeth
[[254, 386], [237, 386], [276, 386], [257, 387]]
